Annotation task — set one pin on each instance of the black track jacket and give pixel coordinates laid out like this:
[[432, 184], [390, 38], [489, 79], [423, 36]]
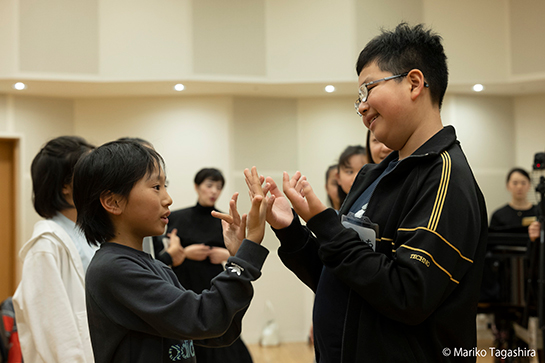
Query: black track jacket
[[414, 299]]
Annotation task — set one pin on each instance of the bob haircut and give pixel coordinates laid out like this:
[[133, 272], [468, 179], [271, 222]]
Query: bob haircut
[[344, 160], [114, 167], [520, 171], [52, 169], [209, 173], [407, 48]]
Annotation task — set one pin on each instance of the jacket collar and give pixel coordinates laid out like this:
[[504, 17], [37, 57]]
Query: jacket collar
[[439, 142], [52, 230]]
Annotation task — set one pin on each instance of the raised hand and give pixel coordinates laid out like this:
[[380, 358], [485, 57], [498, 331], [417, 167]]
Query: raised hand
[[279, 213], [257, 217], [233, 225], [303, 199], [175, 249]]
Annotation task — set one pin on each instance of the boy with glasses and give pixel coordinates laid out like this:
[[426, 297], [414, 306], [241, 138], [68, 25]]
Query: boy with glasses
[[397, 271]]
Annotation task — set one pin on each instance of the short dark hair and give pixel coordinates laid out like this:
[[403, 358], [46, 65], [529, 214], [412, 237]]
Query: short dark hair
[[51, 169], [407, 48], [209, 173], [350, 151], [518, 170], [137, 139], [114, 167], [347, 153]]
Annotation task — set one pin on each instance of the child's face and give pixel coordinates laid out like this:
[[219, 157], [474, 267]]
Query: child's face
[[145, 212], [379, 151], [347, 173], [385, 111]]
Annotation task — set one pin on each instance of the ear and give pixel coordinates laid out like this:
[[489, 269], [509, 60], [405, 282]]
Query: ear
[[112, 203], [417, 82]]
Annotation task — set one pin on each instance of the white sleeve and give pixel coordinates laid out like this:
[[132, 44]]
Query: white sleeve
[[49, 324]]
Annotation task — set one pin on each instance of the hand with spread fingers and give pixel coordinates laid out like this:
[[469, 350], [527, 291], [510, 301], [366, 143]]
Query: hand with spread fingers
[[257, 216], [233, 226], [279, 214], [303, 199]]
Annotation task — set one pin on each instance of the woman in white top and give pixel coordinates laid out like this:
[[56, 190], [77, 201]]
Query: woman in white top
[[50, 299]]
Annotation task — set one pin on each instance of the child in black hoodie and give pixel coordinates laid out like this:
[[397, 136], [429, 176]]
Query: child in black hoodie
[[137, 309]]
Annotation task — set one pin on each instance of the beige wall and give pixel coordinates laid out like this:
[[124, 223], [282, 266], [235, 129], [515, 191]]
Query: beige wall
[[478, 50], [529, 132], [265, 40], [275, 134]]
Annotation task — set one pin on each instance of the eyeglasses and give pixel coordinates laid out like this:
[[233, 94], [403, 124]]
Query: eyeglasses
[[364, 91]]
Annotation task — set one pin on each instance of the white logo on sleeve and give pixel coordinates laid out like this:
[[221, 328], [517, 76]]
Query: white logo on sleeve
[[233, 267]]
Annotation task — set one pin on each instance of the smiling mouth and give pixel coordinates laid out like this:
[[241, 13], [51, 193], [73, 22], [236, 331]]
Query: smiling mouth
[[373, 120]]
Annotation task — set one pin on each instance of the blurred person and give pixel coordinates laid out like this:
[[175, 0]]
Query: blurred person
[[351, 160], [376, 150], [519, 213], [332, 187], [205, 253], [50, 300], [517, 216]]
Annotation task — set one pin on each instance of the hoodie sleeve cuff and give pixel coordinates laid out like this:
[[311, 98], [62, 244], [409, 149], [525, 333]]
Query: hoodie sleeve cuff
[[294, 237], [253, 253], [326, 225]]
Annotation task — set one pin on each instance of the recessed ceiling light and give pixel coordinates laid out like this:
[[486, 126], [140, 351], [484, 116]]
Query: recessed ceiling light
[[179, 87], [478, 87], [329, 88], [19, 86]]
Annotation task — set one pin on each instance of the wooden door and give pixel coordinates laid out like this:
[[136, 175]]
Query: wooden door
[[7, 217]]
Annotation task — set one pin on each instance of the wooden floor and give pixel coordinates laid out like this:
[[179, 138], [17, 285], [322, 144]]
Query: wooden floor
[[303, 353], [284, 353]]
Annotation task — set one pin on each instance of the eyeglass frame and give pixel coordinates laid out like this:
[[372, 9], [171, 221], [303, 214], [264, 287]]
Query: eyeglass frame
[[363, 95]]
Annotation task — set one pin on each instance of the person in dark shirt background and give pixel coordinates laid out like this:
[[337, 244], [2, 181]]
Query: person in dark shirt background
[[201, 238], [519, 213]]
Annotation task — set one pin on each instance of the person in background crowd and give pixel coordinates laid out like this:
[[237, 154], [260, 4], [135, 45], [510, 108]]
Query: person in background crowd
[[519, 213], [205, 253], [50, 300], [332, 187], [376, 150], [351, 160]]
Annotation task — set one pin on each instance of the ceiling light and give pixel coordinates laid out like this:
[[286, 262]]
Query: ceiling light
[[478, 87], [179, 87], [329, 88], [19, 86]]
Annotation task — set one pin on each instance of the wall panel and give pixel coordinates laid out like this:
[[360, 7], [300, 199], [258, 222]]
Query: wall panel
[[229, 37], [59, 36]]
